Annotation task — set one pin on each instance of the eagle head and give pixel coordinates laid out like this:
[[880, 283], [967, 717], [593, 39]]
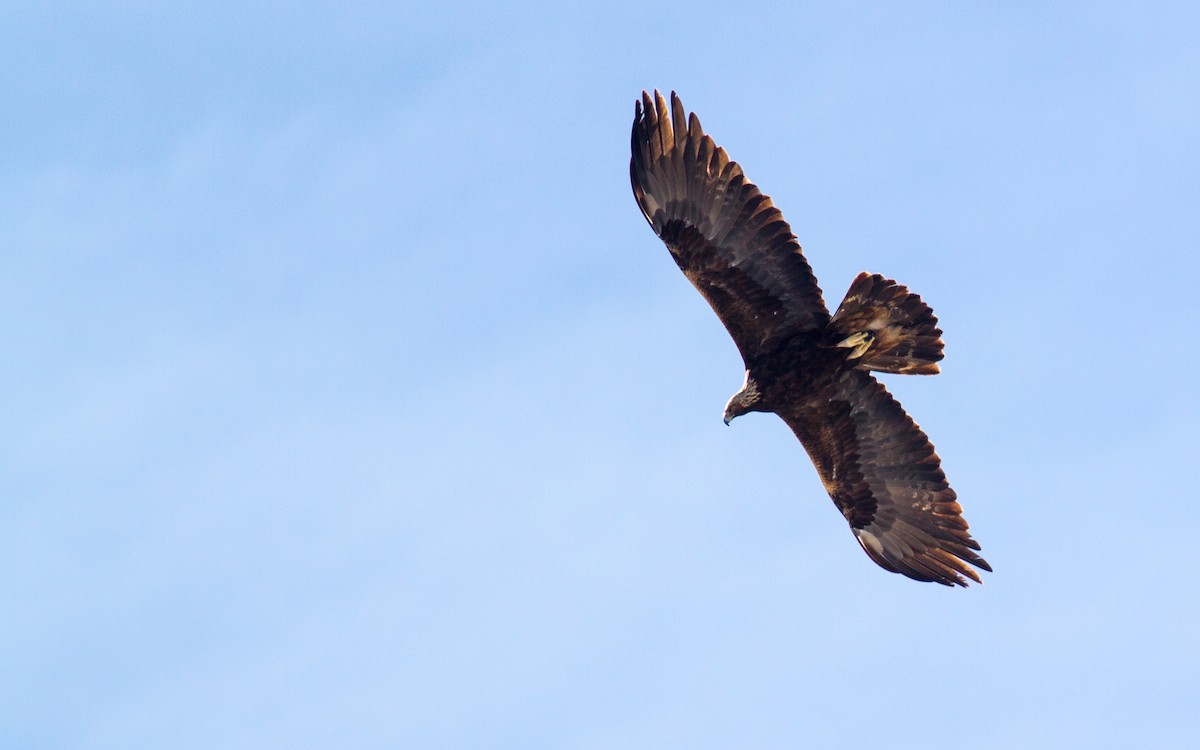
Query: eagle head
[[744, 400]]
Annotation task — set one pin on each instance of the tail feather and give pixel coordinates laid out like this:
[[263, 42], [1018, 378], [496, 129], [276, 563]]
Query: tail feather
[[887, 328]]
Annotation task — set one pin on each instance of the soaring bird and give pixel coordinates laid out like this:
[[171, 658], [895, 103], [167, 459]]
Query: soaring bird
[[811, 369]]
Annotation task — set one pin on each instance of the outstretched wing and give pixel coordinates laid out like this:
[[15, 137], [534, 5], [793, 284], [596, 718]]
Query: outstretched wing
[[885, 478], [726, 236]]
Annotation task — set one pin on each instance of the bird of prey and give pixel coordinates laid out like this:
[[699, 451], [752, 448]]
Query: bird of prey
[[810, 368]]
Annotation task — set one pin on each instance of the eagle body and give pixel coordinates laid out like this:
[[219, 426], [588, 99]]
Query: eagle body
[[796, 375], [811, 368]]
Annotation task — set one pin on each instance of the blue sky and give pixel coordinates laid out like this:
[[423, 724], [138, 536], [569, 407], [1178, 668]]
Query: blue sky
[[352, 403]]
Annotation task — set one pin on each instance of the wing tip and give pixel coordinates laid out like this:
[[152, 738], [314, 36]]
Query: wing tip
[[930, 565]]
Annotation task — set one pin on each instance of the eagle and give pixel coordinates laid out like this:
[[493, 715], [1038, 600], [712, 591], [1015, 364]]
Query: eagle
[[810, 368]]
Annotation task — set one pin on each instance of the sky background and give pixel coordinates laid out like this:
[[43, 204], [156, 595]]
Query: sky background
[[350, 401]]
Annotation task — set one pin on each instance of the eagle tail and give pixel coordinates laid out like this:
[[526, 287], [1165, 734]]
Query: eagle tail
[[887, 328]]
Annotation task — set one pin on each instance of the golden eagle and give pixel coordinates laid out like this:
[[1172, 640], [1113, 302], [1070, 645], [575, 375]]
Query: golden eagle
[[811, 369]]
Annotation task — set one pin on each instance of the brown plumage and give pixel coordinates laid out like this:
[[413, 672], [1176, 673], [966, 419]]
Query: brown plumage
[[809, 368]]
